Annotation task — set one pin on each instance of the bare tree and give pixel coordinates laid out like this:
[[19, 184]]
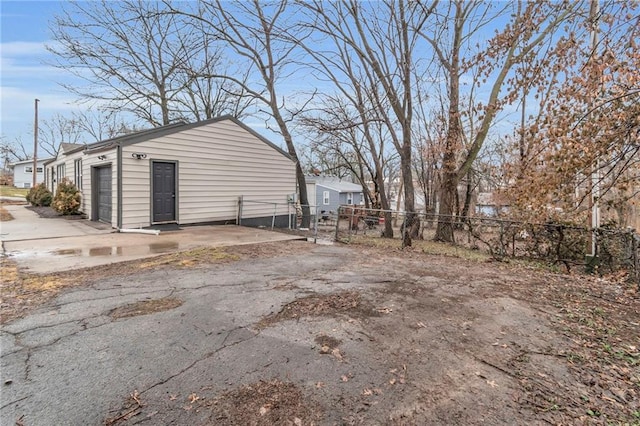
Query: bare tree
[[138, 58], [80, 127], [58, 129], [100, 125], [12, 150], [452, 39], [355, 142], [382, 38], [206, 96], [258, 33]]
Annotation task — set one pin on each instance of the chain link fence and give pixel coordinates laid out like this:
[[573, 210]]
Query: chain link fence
[[282, 216], [552, 242]]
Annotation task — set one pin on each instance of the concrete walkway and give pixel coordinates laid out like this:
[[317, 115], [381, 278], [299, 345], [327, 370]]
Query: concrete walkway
[[27, 225], [41, 245]]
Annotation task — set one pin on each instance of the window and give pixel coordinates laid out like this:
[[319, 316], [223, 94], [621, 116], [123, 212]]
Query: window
[[60, 172], [325, 198], [349, 197], [77, 169], [38, 169], [28, 169]]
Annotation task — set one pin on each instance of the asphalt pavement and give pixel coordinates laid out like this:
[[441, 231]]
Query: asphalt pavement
[[73, 363]]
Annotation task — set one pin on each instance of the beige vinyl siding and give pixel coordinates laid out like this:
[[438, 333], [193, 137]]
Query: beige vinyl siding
[[88, 162], [216, 164]]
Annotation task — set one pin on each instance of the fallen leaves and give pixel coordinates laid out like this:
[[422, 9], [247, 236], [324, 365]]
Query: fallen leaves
[[348, 303], [190, 258], [5, 216], [131, 408], [264, 402], [145, 307]]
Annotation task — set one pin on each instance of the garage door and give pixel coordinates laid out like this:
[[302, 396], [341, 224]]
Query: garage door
[[103, 186]]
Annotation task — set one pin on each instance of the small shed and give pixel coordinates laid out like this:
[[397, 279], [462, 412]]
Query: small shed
[[180, 174], [23, 172], [329, 193]]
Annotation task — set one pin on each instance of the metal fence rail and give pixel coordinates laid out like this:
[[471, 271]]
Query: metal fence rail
[[267, 214], [552, 242]]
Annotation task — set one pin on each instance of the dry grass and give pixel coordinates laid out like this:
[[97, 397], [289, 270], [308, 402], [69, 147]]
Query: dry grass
[[348, 303], [264, 403], [189, 258], [5, 216], [22, 292], [145, 307], [11, 191], [425, 246]]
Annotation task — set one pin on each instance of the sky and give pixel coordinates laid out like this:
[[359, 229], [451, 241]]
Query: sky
[[24, 72]]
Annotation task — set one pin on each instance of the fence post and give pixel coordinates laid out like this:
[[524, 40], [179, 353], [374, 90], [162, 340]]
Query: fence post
[[635, 246], [273, 218], [240, 202], [337, 224], [353, 211], [315, 229]]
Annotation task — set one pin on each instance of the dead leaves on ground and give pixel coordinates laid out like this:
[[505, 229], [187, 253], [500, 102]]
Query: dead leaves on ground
[[145, 307], [348, 303], [132, 407], [190, 258], [599, 317], [22, 292], [264, 403], [5, 216]]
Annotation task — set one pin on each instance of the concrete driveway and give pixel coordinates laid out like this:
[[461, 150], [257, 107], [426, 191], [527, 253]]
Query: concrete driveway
[[40, 245]]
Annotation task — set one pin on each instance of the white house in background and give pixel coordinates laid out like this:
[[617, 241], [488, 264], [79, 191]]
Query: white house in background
[[328, 193], [180, 174], [23, 172]]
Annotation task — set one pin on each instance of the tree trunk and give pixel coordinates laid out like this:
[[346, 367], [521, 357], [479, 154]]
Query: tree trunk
[[302, 181], [412, 220], [467, 197], [444, 230], [450, 176], [384, 205]]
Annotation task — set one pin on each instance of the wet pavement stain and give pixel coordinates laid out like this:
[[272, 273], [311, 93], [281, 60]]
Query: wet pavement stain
[[115, 251], [68, 252], [163, 247]]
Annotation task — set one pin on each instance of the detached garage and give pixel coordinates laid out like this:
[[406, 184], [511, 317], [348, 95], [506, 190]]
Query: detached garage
[[184, 174]]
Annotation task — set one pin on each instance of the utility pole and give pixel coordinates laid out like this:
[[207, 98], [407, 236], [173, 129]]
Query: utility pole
[[35, 145]]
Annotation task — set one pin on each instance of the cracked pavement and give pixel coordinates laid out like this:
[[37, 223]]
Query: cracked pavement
[[434, 352], [70, 363]]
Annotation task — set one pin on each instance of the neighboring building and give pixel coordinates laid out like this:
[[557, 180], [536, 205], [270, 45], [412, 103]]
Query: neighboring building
[[23, 172], [328, 193], [489, 204], [179, 173]]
